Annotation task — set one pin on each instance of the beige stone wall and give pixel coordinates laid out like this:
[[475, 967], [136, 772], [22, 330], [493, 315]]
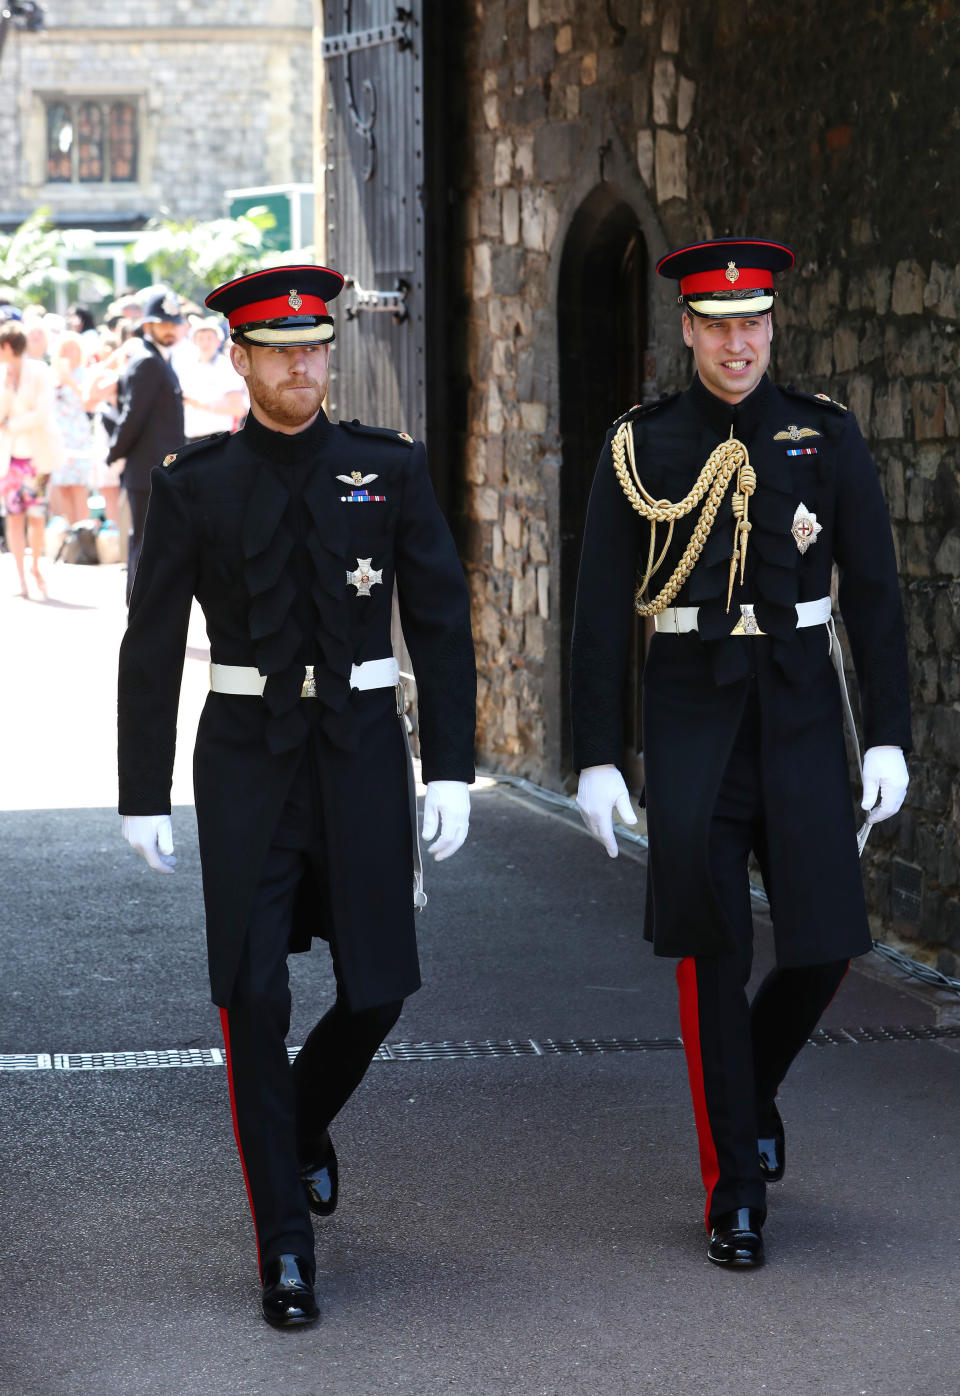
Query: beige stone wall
[[223, 92]]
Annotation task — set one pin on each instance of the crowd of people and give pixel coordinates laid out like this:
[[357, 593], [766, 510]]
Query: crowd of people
[[87, 408]]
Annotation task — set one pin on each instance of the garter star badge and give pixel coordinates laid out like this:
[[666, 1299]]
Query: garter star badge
[[294, 301], [363, 577], [805, 528]]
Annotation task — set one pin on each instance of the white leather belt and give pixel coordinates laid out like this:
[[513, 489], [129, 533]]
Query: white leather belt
[[680, 620], [244, 679]]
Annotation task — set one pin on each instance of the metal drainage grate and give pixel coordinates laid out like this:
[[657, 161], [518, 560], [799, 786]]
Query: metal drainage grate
[[452, 1051], [922, 1032], [138, 1061], [521, 1047]]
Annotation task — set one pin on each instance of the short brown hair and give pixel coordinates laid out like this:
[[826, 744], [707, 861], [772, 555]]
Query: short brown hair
[[12, 334]]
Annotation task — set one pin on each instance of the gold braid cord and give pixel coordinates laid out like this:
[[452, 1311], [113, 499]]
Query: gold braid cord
[[729, 457]]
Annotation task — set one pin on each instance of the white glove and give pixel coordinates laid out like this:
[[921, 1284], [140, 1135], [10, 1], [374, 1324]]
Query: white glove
[[601, 789], [152, 836], [447, 806], [884, 772]]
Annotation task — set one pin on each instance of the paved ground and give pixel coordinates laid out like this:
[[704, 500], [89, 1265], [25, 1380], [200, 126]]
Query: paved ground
[[515, 1222]]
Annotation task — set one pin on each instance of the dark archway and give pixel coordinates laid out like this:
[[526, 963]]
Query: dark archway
[[605, 366]]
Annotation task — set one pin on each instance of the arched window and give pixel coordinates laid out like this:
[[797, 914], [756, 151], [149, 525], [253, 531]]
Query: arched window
[[123, 142], [92, 140], [59, 143], [90, 162]]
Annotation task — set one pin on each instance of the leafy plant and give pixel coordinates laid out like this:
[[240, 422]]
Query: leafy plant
[[33, 262], [191, 257]]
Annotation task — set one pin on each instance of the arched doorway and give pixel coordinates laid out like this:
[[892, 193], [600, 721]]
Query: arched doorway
[[606, 365]]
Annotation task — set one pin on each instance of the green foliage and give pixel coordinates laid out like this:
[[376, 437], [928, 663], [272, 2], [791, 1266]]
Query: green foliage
[[191, 258], [32, 258]]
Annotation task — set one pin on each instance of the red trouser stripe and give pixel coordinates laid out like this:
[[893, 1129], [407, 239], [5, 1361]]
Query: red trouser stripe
[[690, 1032], [225, 1025]]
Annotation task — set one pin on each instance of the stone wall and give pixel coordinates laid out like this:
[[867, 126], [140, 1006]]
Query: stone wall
[[829, 126], [224, 94]]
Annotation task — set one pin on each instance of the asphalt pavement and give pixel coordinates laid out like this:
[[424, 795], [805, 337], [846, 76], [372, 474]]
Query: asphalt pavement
[[521, 1210]]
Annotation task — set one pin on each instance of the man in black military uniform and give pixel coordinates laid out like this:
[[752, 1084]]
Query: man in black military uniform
[[291, 534], [719, 513], [149, 411]]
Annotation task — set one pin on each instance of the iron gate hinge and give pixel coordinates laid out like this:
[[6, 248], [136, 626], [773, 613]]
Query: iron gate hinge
[[393, 302], [399, 31]]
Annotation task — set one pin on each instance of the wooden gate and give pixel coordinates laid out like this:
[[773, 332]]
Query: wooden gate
[[375, 177], [375, 223]]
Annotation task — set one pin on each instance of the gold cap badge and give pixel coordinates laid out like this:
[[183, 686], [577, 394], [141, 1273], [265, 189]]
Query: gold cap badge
[[294, 301], [731, 273]]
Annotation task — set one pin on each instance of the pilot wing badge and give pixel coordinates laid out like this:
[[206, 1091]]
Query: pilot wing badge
[[794, 433]]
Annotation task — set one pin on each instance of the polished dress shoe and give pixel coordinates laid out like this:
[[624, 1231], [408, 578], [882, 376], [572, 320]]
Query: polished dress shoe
[[736, 1239], [287, 1299], [321, 1180], [772, 1146]]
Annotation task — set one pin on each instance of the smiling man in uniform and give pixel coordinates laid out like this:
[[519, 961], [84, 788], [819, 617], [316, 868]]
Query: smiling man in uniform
[[291, 534], [718, 513]]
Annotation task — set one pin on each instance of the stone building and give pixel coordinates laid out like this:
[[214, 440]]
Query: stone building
[[595, 135], [113, 113]]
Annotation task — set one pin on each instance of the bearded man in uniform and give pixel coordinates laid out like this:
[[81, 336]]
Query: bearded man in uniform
[[291, 534]]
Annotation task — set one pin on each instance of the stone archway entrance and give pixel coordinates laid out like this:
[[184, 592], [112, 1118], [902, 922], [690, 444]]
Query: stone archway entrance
[[605, 366]]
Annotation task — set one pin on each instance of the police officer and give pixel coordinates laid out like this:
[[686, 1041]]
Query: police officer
[[718, 513], [291, 534], [149, 421]]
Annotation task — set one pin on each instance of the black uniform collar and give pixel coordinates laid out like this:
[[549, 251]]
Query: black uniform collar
[[744, 417], [281, 448]]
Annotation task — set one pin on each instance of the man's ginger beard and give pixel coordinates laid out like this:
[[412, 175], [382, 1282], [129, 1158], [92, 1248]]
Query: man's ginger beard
[[291, 409]]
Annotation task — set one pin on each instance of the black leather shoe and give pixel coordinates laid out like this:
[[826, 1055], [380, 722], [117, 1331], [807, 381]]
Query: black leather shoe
[[321, 1180], [287, 1299], [736, 1239], [772, 1146]]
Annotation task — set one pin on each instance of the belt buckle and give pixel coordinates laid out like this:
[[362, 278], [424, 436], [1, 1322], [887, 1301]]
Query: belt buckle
[[401, 698], [309, 687], [747, 624]]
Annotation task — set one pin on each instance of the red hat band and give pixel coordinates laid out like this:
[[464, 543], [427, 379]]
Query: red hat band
[[278, 308], [733, 278]]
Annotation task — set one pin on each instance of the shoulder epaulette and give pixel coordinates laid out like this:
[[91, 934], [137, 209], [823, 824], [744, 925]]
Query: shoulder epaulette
[[385, 433], [192, 448], [820, 399], [645, 409]]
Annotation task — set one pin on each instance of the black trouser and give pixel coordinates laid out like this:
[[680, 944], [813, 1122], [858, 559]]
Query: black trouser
[[738, 1053], [280, 1113]]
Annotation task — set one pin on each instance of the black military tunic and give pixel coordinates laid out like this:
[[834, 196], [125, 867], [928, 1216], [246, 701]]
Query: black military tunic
[[262, 531], [806, 451]]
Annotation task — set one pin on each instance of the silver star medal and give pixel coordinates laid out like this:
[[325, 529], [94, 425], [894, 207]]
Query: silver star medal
[[363, 577], [805, 527]]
